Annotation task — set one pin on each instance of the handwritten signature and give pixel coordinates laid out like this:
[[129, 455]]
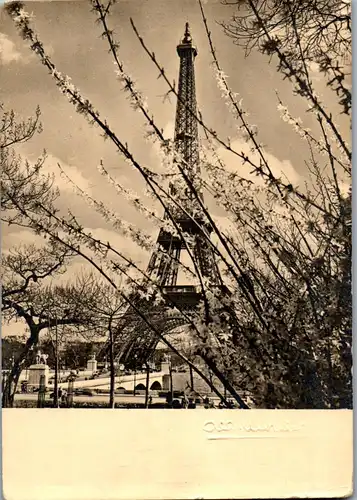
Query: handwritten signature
[[227, 426]]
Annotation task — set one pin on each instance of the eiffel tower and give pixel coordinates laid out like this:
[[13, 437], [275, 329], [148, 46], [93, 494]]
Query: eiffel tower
[[139, 340]]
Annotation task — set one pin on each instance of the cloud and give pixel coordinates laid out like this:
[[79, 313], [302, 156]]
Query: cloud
[[122, 243], [8, 51], [51, 167], [169, 129], [280, 168], [14, 238]]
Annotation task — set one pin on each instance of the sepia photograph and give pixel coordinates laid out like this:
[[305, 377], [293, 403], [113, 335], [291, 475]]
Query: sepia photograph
[[176, 205]]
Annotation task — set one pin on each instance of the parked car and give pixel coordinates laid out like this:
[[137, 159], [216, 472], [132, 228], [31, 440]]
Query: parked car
[[84, 392], [88, 392]]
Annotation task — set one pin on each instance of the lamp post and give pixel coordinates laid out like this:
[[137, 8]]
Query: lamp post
[[225, 388], [55, 397], [9, 379], [171, 381], [135, 358]]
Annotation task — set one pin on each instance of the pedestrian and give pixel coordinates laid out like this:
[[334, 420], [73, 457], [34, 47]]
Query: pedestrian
[[64, 395]]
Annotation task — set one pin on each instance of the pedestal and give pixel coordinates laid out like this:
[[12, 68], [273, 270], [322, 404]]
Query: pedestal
[[35, 372], [166, 382], [165, 367], [92, 365]]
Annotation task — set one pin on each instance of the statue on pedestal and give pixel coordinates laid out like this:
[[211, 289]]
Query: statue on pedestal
[[38, 357], [166, 358], [38, 370], [41, 358]]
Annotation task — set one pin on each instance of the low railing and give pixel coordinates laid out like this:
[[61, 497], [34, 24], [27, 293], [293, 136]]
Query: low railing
[[180, 289]]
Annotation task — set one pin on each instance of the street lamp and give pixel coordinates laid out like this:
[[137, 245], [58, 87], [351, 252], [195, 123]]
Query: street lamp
[[135, 358], [55, 391], [57, 364], [171, 381]]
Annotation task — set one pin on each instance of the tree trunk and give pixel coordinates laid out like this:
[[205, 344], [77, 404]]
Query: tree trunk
[[13, 377], [191, 378], [112, 370], [210, 379], [147, 385]]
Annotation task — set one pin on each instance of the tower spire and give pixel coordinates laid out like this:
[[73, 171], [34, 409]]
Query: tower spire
[[187, 37], [186, 131]]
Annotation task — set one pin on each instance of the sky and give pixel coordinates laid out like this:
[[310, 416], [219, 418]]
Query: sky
[[72, 38]]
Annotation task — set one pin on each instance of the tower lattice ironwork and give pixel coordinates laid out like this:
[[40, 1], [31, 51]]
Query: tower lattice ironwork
[[135, 339]]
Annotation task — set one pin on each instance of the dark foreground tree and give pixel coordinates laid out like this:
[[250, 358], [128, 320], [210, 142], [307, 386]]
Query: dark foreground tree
[[26, 298]]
